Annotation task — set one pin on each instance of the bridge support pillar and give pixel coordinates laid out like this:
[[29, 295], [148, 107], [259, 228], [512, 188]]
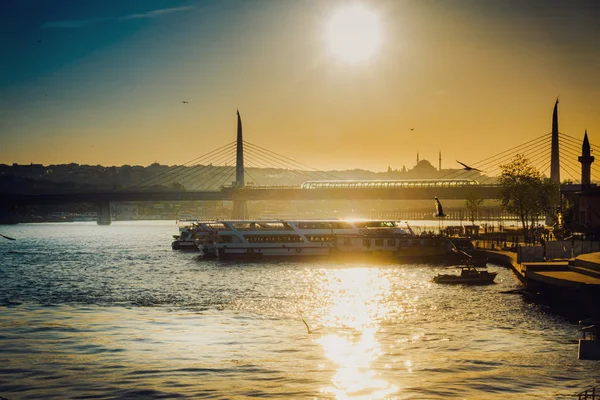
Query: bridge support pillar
[[8, 214], [104, 213], [240, 210]]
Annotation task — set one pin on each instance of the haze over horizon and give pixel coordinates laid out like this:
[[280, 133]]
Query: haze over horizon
[[104, 82]]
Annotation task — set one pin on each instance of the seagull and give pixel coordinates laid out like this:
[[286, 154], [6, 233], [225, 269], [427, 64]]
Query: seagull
[[39, 40], [307, 328], [183, 101], [438, 208], [467, 168]]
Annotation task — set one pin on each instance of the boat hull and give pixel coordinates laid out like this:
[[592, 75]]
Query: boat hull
[[482, 278], [184, 245], [237, 253]]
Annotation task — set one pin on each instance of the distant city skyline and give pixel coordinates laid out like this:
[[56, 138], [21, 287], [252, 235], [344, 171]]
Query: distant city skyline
[[138, 82]]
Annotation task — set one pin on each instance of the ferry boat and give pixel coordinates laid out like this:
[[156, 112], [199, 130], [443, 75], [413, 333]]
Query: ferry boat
[[317, 238]]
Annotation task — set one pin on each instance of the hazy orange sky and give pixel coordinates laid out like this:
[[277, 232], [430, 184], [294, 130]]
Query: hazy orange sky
[[102, 82]]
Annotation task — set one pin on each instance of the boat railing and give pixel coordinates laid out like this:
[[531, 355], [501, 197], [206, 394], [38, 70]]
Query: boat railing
[[592, 393], [588, 328]]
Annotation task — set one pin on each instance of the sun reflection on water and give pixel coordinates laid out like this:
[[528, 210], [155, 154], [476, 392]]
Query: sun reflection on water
[[355, 305]]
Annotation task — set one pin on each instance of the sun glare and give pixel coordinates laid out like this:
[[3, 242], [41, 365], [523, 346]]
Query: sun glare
[[354, 33]]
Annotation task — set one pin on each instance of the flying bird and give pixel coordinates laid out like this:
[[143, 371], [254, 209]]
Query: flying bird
[[467, 168], [183, 101], [438, 208]]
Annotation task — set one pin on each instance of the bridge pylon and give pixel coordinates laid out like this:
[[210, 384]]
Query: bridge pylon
[[240, 209], [104, 217], [554, 164], [554, 156]]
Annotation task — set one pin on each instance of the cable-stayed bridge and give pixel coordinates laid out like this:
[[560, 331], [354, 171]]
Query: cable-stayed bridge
[[242, 171]]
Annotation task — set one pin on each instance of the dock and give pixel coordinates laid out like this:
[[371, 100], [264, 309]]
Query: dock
[[571, 284], [574, 273]]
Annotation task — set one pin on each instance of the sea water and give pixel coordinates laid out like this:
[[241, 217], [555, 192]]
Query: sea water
[[111, 312]]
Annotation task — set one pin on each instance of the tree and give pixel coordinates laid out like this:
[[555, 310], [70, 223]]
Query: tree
[[177, 186], [473, 202], [525, 193]]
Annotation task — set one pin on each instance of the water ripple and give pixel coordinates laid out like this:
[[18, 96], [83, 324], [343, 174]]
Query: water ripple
[[94, 312]]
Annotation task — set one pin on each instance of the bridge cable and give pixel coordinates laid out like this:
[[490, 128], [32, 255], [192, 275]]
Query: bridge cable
[[247, 172], [495, 159], [270, 165], [276, 164], [580, 141], [223, 172], [496, 167], [199, 170], [569, 168], [519, 147], [542, 148], [174, 170], [221, 176], [570, 172], [302, 175], [258, 167], [208, 170], [533, 158], [290, 160], [179, 172], [270, 161], [195, 173], [570, 143]]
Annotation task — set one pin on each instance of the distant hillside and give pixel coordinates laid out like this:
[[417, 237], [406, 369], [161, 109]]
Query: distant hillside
[[36, 178]]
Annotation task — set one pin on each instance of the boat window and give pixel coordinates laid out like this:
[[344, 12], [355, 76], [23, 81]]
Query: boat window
[[378, 242], [273, 238], [375, 224], [273, 226], [341, 225], [318, 225], [367, 242], [320, 238], [391, 242], [243, 226], [217, 227]]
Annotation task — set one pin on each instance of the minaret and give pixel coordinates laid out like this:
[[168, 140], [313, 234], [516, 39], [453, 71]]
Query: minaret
[[417, 157], [586, 161], [440, 163], [554, 155]]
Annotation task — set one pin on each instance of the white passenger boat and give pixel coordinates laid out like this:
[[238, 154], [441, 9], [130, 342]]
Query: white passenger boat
[[315, 238]]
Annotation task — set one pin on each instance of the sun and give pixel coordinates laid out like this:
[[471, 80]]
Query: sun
[[354, 33]]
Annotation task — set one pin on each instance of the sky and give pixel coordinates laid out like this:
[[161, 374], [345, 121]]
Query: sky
[[102, 81]]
